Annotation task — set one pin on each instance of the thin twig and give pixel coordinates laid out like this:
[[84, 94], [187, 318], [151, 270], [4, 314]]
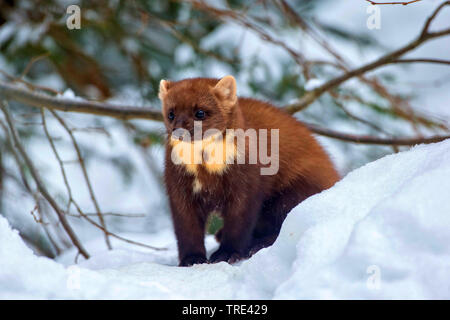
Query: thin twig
[[33, 61], [85, 175], [389, 58], [26, 186], [86, 216], [40, 185], [109, 233], [112, 214], [404, 3], [364, 139], [422, 60], [58, 158]]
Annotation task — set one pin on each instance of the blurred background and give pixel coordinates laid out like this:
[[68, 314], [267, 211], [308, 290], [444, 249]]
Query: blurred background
[[106, 173]]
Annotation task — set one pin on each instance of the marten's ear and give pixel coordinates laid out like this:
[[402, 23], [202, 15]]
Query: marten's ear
[[163, 89], [225, 90]]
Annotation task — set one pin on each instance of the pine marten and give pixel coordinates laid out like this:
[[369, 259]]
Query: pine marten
[[252, 190]]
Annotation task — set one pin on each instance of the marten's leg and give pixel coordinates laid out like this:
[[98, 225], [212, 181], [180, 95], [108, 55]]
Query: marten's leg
[[275, 210], [189, 224], [240, 216]]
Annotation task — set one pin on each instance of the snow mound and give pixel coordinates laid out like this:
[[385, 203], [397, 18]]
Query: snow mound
[[382, 232]]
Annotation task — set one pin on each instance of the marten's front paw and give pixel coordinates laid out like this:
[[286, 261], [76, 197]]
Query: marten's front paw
[[227, 256], [191, 260]]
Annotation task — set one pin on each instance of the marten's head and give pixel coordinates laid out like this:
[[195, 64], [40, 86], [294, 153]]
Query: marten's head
[[211, 101]]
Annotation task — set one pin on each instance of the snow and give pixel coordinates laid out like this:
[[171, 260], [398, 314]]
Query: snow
[[383, 232], [69, 94], [312, 84]]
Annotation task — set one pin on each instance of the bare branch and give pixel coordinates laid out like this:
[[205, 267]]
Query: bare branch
[[85, 175], [397, 104], [114, 214], [117, 236], [364, 139], [27, 187], [40, 185], [243, 20], [422, 60], [405, 3], [389, 58], [42, 100], [427, 25], [81, 214], [58, 158], [33, 61]]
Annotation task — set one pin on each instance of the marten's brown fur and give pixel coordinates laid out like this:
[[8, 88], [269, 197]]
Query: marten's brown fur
[[252, 205]]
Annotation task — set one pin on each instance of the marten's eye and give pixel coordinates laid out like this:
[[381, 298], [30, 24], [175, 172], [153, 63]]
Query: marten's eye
[[200, 114], [171, 115]]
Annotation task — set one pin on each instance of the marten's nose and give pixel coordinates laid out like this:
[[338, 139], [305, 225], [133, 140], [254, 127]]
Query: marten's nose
[[179, 123], [179, 130]]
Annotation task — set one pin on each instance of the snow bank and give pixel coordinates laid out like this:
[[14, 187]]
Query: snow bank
[[382, 232]]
